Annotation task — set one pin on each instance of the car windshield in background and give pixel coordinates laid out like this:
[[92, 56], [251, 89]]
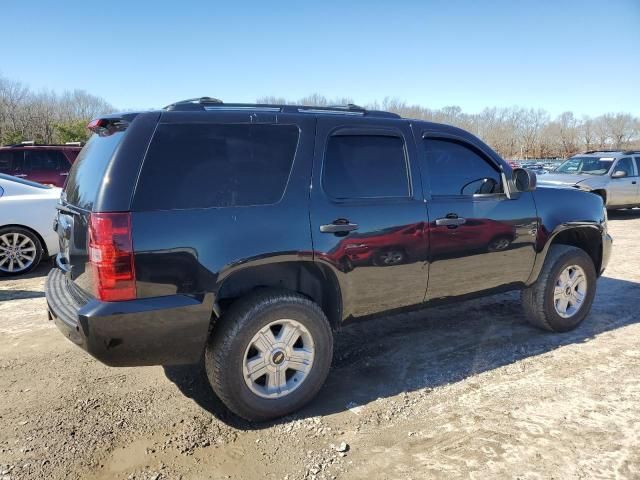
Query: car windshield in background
[[23, 181], [587, 165]]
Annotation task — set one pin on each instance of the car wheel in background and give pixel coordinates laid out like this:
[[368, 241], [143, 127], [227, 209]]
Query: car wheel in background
[[20, 251]]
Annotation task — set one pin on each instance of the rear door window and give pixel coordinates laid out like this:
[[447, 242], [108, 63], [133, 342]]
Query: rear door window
[[365, 166], [216, 165]]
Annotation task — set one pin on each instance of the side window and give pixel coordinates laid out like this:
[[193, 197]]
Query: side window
[[216, 165], [44, 160], [455, 168], [625, 165], [10, 161], [638, 165], [365, 166], [6, 161]]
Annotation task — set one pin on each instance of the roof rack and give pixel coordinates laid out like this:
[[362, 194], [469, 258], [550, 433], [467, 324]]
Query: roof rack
[[631, 152], [603, 151], [210, 104], [32, 143]]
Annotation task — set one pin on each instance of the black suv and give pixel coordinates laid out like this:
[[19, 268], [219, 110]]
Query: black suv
[[243, 236]]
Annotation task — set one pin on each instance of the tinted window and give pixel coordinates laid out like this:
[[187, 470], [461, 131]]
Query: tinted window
[[365, 166], [10, 161], [45, 160], [638, 165], [6, 161], [454, 168], [207, 165], [625, 165], [89, 168]]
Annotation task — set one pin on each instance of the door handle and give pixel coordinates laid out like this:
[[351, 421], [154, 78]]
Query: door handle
[[450, 221], [20, 175], [633, 183], [339, 226], [65, 174]]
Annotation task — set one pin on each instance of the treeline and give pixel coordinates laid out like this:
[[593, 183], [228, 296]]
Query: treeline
[[515, 132], [46, 117]]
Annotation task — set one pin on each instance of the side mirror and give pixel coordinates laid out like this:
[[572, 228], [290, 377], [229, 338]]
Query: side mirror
[[524, 180], [619, 174]]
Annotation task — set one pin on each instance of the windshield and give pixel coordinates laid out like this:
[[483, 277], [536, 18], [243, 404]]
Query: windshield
[[586, 165]]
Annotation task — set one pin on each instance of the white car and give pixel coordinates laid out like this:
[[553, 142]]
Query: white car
[[27, 210]]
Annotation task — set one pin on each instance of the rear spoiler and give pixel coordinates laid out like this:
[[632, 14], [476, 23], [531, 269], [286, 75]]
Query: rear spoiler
[[110, 124]]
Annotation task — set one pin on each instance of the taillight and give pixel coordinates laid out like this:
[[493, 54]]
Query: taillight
[[111, 255]]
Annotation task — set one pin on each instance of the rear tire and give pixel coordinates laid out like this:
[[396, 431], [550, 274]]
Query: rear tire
[[563, 295], [281, 333], [20, 251]]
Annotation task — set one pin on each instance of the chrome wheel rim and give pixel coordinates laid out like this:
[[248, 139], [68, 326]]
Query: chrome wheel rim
[[17, 252], [500, 244], [391, 257], [278, 359], [570, 291]]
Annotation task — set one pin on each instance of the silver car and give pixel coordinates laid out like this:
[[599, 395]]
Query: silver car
[[614, 175]]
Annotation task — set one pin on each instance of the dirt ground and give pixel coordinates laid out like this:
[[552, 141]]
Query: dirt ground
[[450, 392]]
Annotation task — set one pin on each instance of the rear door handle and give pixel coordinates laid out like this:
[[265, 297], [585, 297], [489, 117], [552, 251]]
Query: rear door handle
[[339, 226], [450, 222]]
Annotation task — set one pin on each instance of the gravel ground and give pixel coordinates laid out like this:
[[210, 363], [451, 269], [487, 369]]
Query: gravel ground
[[462, 391]]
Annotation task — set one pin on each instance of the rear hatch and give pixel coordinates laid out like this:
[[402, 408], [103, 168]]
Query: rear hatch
[[93, 179]]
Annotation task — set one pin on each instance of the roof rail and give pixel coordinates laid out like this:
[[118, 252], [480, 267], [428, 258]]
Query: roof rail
[[630, 152], [193, 101], [603, 151], [209, 104]]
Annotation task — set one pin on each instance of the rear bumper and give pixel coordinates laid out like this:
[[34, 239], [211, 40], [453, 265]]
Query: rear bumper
[[168, 330]]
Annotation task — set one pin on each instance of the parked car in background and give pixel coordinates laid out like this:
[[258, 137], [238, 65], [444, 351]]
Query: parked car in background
[[46, 164], [284, 221], [613, 175], [27, 211]]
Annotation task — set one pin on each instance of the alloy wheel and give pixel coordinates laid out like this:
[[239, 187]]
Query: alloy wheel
[[17, 252], [278, 359]]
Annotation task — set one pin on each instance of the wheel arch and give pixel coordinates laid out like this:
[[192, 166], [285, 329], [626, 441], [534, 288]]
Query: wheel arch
[[313, 280], [587, 237]]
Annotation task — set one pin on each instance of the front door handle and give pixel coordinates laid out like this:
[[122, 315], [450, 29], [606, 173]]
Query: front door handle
[[339, 226], [450, 221]]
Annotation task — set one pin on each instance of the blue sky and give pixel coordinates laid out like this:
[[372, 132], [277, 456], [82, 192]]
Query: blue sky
[[557, 55]]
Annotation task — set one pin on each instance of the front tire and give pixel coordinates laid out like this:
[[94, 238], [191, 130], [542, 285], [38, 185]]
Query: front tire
[[270, 354], [562, 297]]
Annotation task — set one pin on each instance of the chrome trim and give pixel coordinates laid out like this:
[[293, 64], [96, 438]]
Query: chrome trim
[[243, 109], [329, 112]]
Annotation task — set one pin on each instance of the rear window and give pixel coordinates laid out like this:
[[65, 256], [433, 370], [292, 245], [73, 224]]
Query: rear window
[[89, 169], [214, 165]]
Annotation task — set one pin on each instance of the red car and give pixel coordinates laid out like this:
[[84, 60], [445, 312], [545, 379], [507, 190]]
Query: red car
[[407, 243], [46, 164]]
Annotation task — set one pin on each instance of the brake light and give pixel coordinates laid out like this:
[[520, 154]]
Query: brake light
[[107, 126], [111, 256]]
